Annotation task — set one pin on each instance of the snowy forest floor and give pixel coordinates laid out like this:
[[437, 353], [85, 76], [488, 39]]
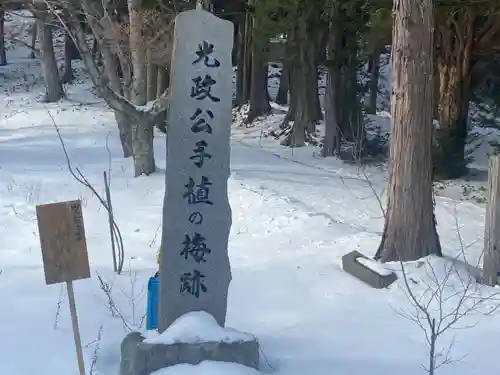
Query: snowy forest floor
[[294, 217]]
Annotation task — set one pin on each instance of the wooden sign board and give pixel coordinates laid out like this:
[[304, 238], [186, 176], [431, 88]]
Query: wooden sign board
[[62, 238]]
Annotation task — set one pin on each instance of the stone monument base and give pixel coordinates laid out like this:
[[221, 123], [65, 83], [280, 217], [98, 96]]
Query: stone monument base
[[191, 339]]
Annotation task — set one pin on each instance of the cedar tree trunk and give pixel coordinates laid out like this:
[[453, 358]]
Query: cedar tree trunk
[[410, 226], [284, 87], [331, 143], [374, 71], [243, 72], [455, 70], [303, 82], [259, 96]]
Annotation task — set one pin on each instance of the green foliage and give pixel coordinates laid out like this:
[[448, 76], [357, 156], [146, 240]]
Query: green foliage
[[274, 17], [380, 26]]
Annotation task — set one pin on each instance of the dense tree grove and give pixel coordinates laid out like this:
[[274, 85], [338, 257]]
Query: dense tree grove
[[443, 80]]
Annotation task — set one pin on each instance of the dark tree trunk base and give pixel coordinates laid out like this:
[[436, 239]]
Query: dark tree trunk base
[[292, 139], [449, 157], [282, 95], [374, 70], [67, 76], [448, 170], [161, 123], [255, 114], [430, 245]]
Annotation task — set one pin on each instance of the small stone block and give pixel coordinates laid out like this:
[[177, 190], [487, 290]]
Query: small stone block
[[351, 264]]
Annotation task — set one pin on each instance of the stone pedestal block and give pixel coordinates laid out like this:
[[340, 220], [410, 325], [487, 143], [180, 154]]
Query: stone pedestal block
[[368, 271]]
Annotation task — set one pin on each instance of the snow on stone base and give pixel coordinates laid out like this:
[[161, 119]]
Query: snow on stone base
[[208, 368], [374, 266], [192, 339], [367, 270], [195, 327]]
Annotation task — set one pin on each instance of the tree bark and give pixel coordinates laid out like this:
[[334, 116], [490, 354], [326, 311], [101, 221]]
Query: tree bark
[[282, 96], [152, 81], [152, 89], [111, 69], [122, 119], [125, 131], [142, 132], [303, 81], [70, 54], [95, 50], [410, 226], [374, 70], [292, 107], [259, 96], [331, 143], [162, 84], [455, 71], [314, 98], [243, 73], [284, 86], [54, 89], [34, 35], [350, 116], [3, 55], [163, 81], [351, 120], [321, 44]]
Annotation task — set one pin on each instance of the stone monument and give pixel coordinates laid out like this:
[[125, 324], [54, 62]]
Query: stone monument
[[194, 264]]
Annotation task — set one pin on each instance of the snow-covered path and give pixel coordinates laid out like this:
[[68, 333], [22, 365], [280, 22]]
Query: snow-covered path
[[348, 200], [297, 183]]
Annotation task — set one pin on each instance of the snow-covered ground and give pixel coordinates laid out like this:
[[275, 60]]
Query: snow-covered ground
[[294, 216]]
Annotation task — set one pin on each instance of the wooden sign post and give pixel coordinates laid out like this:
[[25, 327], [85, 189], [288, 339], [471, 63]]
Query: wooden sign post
[[491, 258], [64, 253]]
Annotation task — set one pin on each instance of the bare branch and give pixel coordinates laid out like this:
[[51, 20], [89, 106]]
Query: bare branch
[[79, 176], [432, 312]]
